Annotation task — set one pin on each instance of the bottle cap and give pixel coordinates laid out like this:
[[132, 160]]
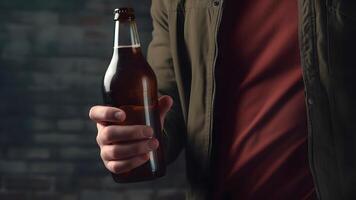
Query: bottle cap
[[124, 14]]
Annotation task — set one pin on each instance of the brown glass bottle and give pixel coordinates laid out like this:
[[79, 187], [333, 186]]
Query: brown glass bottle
[[130, 84]]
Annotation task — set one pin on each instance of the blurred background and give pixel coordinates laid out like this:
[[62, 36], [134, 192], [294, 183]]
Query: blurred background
[[53, 54]]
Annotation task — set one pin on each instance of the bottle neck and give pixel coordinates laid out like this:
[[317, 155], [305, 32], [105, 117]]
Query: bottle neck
[[126, 35]]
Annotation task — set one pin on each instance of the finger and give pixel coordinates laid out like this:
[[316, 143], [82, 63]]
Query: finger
[[106, 114], [99, 126], [165, 103], [128, 150], [118, 133], [122, 166]]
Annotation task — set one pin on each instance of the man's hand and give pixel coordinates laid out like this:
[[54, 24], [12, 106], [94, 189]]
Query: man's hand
[[125, 147]]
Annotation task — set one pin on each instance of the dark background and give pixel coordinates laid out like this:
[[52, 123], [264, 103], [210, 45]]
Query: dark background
[[52, 56]]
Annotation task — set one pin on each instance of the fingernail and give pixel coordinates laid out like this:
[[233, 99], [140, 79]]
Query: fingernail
[[152, 144], [148, 132], [118, 115]]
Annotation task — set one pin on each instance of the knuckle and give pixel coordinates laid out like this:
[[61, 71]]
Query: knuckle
[[123, 167], [111, 152], [105, 134], [103, 155], [115, 167], [98, 139]]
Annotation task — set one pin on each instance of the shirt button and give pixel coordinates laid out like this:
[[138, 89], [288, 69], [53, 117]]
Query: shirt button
[[216, 3]]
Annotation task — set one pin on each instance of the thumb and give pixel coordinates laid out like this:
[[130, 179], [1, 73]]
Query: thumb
[[165, 103]]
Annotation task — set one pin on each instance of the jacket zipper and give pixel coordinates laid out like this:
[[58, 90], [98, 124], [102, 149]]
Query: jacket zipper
[[310, 127], [218, 22]]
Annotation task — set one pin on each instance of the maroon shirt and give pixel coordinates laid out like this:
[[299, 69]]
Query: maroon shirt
[[261, 127]]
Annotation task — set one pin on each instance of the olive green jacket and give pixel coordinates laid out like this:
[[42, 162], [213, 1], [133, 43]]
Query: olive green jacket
[[183, 53]]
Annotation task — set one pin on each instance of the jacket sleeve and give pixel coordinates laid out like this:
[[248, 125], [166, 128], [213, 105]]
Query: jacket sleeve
[[160, 58]]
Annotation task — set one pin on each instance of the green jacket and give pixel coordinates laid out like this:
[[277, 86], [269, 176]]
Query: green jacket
[[183, 53]]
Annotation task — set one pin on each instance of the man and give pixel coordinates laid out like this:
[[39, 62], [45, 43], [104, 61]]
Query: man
[[239, 79]]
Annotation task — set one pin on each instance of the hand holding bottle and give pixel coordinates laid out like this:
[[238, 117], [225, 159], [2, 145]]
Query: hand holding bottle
[[125, 147]]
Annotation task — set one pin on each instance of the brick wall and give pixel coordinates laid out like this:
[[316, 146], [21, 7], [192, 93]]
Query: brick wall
[[52, 56]]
